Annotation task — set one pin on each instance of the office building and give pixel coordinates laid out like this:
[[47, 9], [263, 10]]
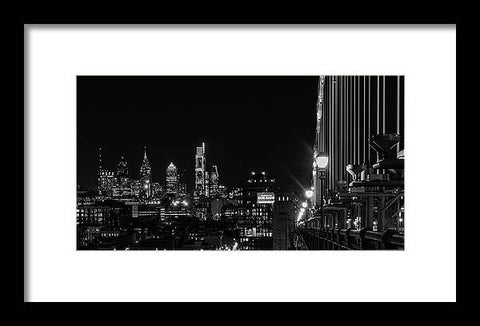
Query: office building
[[255, 212], [214, 182], [283, 225], [200, 169], [145, 176], [171, 183]]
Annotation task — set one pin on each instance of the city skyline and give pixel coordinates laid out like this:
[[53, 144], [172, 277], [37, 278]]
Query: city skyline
[[145, 172], [247, 123], [264, 185]]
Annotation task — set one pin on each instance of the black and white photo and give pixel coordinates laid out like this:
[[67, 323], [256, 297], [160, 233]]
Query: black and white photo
[[240, 162]]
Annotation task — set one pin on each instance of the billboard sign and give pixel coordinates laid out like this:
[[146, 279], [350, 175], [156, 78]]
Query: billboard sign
[[265, 197]]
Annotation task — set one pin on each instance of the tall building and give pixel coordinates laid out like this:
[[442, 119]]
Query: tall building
[[171, 184], [283, 224], [105, 178], [207, 184], [146, 175], [122, 168], [222, 191], [214, 182], [200, 165], [255, 212], [138, 188], [156, 189], [106, 181], [182, 184], [122, 187]]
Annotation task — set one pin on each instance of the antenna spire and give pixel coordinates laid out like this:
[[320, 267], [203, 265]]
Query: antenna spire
[[99, 158]]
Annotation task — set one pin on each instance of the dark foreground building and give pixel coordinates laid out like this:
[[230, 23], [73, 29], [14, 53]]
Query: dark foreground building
[[354, 109], [283, 228], [358, 163]]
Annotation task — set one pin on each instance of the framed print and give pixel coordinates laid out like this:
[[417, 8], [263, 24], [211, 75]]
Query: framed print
[[201, 161]]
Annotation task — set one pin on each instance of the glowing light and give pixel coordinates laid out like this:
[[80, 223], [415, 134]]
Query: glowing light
[[263, 172], [304, 204], [309, 193], [302, 210], [253, 173], [322, 161]]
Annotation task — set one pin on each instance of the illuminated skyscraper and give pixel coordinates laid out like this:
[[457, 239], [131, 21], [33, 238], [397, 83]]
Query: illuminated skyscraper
[[145, 169], [105, 178], [171, 184], [146, 175], [182, 185], [200, 163], [156, 189], [122, 168], [214, 178], [122, 183], [207, 184]]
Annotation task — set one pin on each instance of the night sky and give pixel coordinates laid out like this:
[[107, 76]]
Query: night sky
[[248, 123]]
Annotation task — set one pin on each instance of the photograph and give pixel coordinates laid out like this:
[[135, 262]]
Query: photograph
[[240, 162]]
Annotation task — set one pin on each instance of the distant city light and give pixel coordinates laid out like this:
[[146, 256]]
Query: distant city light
[[304, 205], [309, 193]]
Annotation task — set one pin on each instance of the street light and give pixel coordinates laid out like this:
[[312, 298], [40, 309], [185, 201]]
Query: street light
[[304, 204], [321, 161], [300, 214], [309, 194]]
